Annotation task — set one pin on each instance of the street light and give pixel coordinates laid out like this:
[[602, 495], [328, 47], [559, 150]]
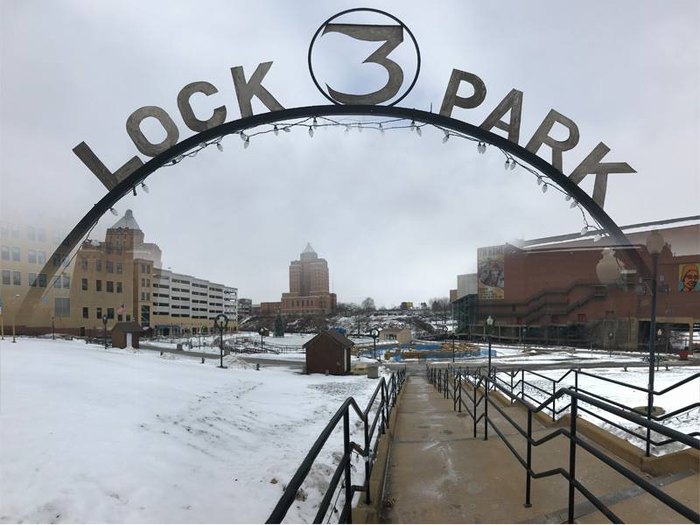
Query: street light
[[489, 323], [655, 243], [374, 333], [14, 318], [221, 322], [104, 322], [264, 332]]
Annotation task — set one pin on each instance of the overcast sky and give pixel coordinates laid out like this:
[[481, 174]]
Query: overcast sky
[[397, 216]]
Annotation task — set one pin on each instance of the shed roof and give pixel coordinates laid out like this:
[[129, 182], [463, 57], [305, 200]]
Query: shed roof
[[335, 336], [128, 327]]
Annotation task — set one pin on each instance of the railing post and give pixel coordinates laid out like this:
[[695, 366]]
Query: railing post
[[474, 385], [367, 461], [512, 394], [454, 392], [522, 383], [348, 452], [528, 479], [554, 401], [486, 407], [381, 408], [572, 457]]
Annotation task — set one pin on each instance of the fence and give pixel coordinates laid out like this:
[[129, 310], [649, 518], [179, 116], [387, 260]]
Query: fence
[[375, 419], [451, 382]]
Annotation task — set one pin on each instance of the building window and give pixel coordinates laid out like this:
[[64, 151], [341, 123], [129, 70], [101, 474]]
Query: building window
[[41, 235], [119, 287], [66, 281], [5, 251], [41, 257], [84, 284], [110, 267], [98, 313], [119, 317], [110, 313], [61, 307], [98, 265], [42, 280], [86, 312], [32, 279], [16, 279], [31, 233], [31, 256], [15, 253], [120, 268], [83, 264], [6, 277], [98, 285], [110, 286]]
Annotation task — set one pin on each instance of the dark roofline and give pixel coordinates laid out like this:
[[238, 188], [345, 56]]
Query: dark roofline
[[572, 236], [339, 338]]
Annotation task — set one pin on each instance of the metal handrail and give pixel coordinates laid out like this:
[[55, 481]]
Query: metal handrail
[[576, 396], [389, 392]]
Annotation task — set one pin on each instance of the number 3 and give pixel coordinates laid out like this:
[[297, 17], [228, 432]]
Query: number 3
[[392, 37]]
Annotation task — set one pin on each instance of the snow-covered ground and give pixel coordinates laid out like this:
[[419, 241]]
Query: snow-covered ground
[[94, 435]]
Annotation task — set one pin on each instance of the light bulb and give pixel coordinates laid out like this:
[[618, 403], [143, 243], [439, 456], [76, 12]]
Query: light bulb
[[512, 164], [507, 164], [584, 230], [446, 137], [315, 122], [311, 132], [573, 204], [347, 129], [567, 198], [114, 212], [539, 181], [597, 237], [243, 136], [286, 129], [418, 130], [219, 146], [276, 130], [544, 188], [246, 143], [145, 188]]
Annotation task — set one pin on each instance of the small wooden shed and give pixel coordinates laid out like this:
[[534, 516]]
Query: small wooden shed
[[328, 353], [126, 334]]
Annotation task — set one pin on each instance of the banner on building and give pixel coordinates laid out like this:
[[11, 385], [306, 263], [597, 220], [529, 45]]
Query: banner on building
[[688, 277], [491, 274]]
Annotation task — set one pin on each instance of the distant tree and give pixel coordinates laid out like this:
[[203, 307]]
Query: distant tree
[[441, 308], [279, 326], [368, 305], [347, 308]]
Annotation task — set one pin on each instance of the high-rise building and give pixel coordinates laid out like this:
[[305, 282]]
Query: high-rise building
[[309, 288]]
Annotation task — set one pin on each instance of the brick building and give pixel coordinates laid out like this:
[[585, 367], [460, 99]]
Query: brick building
[[549, 291], [309, 288]]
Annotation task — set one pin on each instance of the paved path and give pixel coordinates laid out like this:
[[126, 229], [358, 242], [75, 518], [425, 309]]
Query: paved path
[[439, 473]]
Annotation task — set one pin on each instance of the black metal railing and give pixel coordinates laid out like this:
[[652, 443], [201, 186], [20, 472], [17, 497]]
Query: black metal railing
[[375, 420], [476, 385]]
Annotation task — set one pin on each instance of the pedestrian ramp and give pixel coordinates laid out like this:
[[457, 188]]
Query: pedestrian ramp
[[436, 471]]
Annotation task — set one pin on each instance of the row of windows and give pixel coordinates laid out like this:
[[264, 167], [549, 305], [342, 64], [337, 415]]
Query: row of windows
[[112, 286], [14, 278], [12, 253], [110, 266], [109, 312], [32, 233]]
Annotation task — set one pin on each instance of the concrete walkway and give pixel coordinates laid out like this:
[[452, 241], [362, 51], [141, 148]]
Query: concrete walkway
[[439, 473]]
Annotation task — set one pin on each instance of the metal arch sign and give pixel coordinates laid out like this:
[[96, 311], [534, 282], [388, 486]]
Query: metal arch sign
[[506, 116]]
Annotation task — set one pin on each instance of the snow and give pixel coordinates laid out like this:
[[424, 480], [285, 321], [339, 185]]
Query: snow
[[95, 435]]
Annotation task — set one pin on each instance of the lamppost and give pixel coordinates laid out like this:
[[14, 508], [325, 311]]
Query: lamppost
[[655, 243], [453, 347], [53, 330], [489, 324], [221, 322], [104, 322], [264, 332], [14, 317], [374, 333]]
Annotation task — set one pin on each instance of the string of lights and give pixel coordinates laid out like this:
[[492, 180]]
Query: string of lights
[[312, 124]]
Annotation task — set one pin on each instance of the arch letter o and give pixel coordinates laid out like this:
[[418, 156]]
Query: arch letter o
[[133, 128]]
